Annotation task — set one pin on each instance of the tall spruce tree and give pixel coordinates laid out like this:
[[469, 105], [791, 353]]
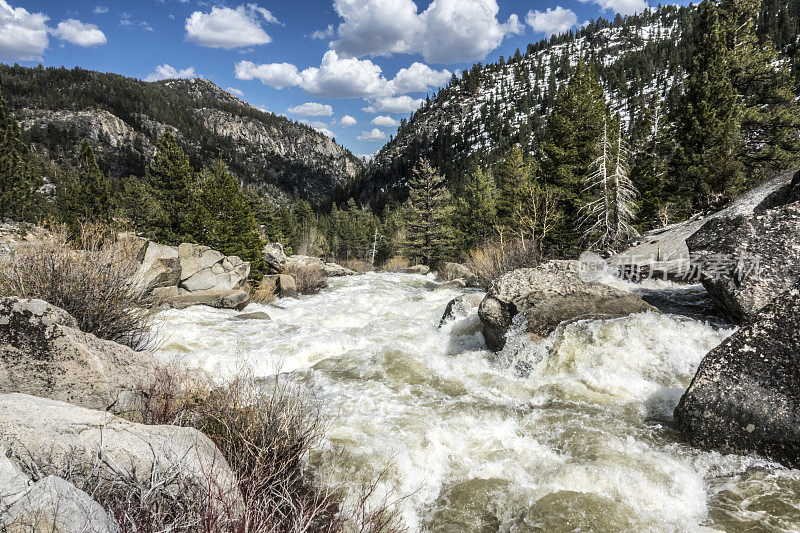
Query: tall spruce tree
[[85, 194], [513, 177], [173, 182], [227, 221], [427, 216], [708, 131], [17, 181], [475, 210]]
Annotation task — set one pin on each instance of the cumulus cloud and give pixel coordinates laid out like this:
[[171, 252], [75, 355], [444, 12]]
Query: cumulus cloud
[[277, 75], [448, 31], [338, 77], [321, 35], [373, 136], [168, 72], [395, 104], [312, 109], [228, 28], [235, 91], [552, 21], [625, 7], [76, 32], [23, 35], [385, 121], [347, 121]]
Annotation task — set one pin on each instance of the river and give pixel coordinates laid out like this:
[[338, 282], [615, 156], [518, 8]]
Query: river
[[570, 434]]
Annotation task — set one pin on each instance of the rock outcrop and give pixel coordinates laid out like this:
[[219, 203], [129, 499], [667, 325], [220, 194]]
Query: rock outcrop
[[204, 269], [333, 270], [745, 397], [13, 483], [275, 258], [43, 353], [160, 266], [55, 434], [547, 296]]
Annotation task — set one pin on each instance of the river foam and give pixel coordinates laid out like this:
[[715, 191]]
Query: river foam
[[572, 433]]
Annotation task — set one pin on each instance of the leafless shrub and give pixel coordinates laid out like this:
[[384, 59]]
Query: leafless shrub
[[310, 279], [357, 265], [497, 257], [396, 264], [91, 277], [264, 293]]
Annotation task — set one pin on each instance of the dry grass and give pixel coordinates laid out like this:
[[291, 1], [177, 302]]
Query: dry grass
[[396, 264], [494, 259], [264, 293], [309, 279], [92, 277], [357, 265]]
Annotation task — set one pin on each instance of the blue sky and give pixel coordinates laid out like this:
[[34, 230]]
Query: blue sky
[[351, 68]]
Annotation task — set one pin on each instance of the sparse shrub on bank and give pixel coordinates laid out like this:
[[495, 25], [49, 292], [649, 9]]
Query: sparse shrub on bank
[[310, 279], [496, 258], [357, 265], [395, 264], [92, 277]]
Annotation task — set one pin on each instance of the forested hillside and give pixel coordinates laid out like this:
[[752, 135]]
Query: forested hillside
[[123, 118]]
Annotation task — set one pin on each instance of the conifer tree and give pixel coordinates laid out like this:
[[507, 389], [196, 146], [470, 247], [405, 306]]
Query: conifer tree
[[513, 176], [17, 181], [427, 216], [85, 194], [709, 124], [227, 221], [173, 183], [475, 211]]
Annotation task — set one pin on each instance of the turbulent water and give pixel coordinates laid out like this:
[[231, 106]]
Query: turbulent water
[[572, 434]]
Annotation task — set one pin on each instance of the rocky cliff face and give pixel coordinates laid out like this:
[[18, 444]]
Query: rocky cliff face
[[123, 118]]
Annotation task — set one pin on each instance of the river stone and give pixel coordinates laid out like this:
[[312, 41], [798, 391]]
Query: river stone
[[745, 397], [282, 286], [253, 316], [42, 352], [767, 246], [547, 296], [453, 271], [55, 505], [416, 269], [460, 306], [455, 284], [59, 434], [275, 258], [219, 299], [335, 271]]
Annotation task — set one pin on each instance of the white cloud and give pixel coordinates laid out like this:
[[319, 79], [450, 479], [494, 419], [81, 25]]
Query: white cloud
[[235, 91], [23, 35], [373, 136], [625, 7], [312, 109], [396, 104], [76, 32], [277, 75], [344, 78], [167, 72], [347, 121], [100, 10], [321, 35], [448, 31], [418, 78], [552, 21], [385, 121], [319, 126], [229, 28]]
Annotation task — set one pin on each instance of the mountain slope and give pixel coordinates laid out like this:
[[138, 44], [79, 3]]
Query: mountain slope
[[123, 118], [639, 59]]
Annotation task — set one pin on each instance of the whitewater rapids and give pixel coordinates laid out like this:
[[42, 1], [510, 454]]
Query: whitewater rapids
[[570, 434]]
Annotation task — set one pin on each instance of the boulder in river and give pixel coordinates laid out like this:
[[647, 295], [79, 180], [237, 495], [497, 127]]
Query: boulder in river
[[42, 352], [334, 270], [416, 269], [275, 258], [745, 397], [282, 286], [219, 299], [204, 269], [548, 295], [258, 315], [460, 306], [453, 271]]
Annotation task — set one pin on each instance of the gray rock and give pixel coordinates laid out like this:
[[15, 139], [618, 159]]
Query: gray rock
[[275, 258], [794, 195], [417, 269], [453, 271], [44, 354], [195, 258], [57, 434], [253, 316], [282, 286], [336, 271], [749, 260], [219, 299], [13, 483], [204, 269], [745, 397], [160, 266], [56, 506], [460, 307], [549, 295], [455, 284]]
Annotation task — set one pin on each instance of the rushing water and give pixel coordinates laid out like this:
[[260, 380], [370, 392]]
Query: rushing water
[[571, 434]]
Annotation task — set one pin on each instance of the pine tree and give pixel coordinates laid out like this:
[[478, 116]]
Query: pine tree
[[85, 194], [137, 205], [708, 127], [17, 181], [173, 183], [427, 238], [475, 211], [228, 224], [513, 176]]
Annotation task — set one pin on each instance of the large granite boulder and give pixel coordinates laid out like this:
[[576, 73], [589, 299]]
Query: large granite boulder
[[281, 285], [13, 483], [275, 258], [43, 353], [416, 269], [334, 270], [547, 296], [747, 261], [204, 269], [453, 271], [55, 435], [219, 299], [56, 506], [745, 397], [460, 307], [160, 266], [664, 253]]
